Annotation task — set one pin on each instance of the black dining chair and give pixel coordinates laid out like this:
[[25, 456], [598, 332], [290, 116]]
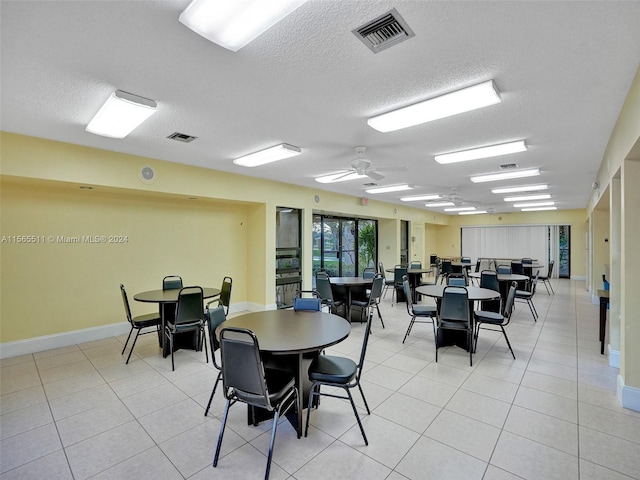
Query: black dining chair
[[339, 372], [171, 282], [388, 282], [398, 274], [527, 296], [547, 279], [416, 311], [189, 317], [215, 317], [455, 315], [486, 319], [489, 280], [323, 287], [245, 379], [138, 323], [445, 269], [372, 299]]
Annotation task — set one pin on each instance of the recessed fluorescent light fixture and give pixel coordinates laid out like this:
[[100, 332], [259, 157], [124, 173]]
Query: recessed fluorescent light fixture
[[439, 204], [233, 23], [460, 101], [523, 188], [537, 209], [459, 209], [474, 212], [420, 198], [492, 177], [533, 204], [121, 114], [390, 188], [268, 155], [528, 198], [339, 177], [482, 152]]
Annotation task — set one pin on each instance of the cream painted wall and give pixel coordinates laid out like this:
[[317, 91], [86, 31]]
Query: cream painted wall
[[448, 237], [600, 247], [51, 286]]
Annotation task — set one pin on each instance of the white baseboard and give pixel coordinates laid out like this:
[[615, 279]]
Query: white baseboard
[[75, 337], [629, 397], [614, 357], [58, 340]]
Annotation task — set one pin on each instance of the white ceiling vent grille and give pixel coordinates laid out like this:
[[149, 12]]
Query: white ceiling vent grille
[[384, 32], [182, 137]]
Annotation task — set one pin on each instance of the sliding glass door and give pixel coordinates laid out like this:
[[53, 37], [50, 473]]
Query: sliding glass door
[[343, 246]]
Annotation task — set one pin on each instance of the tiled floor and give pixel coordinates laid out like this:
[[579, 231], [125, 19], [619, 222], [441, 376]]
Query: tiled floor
[[79, 412]]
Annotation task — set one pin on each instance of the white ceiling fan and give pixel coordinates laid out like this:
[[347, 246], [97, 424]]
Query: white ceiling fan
[[362, 167]]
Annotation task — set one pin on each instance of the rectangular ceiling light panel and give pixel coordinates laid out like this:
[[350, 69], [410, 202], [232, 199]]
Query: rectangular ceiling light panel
[[339, 177], [537, 209], [528, 198], [459, 209], [121, 114], [234, 23], [523, 188], [534, 204], [390, 188], [268, 155], [460, 101], [482, 152], [420, 198], [492, 177], [439, 204], [472, 212]]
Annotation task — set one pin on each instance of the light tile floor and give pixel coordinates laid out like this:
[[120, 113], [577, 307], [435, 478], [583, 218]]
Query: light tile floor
[[79, 412]]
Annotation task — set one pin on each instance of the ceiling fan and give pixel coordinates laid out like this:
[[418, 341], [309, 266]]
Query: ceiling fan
[[455, 198], [363, 167]]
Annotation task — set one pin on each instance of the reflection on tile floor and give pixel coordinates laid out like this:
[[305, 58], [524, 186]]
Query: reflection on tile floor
[[79, 412]]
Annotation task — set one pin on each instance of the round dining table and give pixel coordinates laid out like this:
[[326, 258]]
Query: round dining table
[[360, 284], [291, 339], [504, 280], [165, 298]]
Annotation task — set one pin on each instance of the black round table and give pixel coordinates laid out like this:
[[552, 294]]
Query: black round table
[[359, 284], [289, 335], [504, 280], [165, 298]]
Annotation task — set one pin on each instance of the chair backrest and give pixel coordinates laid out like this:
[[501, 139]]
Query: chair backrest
[[437, 272], [455, 304], [503, 268], [369, 272], [215, 318], [433, 259], [508, 305], [365, 340], [323, 286], [527, 261], [534, 283], [225, 294], [550, 272], [516, 267], [489, 279], [457, 279], [125, 300], [310, 303], [189, 307], [398, 272], [381, 270], [415, 264], [466, 260], [171, 282], [446, 267], [376, 289], [407, 294], [477, 266], [242, 368]]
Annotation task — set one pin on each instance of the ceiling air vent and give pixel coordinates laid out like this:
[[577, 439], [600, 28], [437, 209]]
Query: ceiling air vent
[[508, 166], [384, 32], [182, 137]]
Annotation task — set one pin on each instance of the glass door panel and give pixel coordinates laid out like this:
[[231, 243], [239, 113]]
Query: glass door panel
[[348, 251], [331, 246]]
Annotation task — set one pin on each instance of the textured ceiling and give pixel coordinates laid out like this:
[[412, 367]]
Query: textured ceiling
[[563, 70]]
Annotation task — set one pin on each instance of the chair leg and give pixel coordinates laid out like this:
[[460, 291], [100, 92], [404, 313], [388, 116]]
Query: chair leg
[[546, 286], [413, 319], [125, 343], [535, 318], [380, 315], [364, 399], [508, 343], [355, 411], [173, 365], [312, 393], [470, 345], [274, 427], [133, 346], [215, 386], [534, 307], [222, 427]]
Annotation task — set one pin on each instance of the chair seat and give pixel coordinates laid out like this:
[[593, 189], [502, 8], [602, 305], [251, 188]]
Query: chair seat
[[453, 325], [523, 294], [424, 310], [184, 327], [360, 303], [330, 369], [146, 320], [488, 317], [279, 384], [389, 281]]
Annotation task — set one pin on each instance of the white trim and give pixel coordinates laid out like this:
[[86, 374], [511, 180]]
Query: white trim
[[614, 357], [58, 340], [629, 397], [579, 278]]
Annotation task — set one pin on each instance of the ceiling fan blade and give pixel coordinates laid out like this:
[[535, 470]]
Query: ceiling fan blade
[[374, 175], [391, 169]]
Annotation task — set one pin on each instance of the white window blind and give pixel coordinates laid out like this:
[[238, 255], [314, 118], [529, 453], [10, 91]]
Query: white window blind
[[507, 242]]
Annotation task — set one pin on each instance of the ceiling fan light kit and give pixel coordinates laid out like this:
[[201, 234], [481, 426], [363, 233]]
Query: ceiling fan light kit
[[460, 101], [482, 152]]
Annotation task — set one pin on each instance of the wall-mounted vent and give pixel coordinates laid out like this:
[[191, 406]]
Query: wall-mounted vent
[[508, 166], [182, 137], [384, 32]]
